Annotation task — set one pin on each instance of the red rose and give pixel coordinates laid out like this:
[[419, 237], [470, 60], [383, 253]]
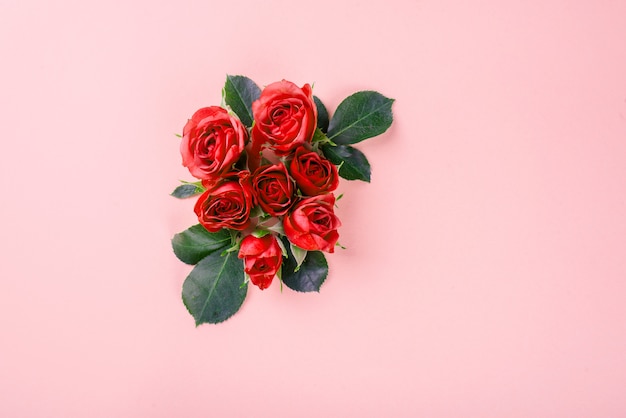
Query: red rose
[[262, 258], [226, 203], [313, 174], [273, 189], [312, 224], [285, 116], [212, 142]]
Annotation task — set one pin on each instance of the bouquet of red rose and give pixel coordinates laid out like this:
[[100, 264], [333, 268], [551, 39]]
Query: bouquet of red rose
[[267, 162]]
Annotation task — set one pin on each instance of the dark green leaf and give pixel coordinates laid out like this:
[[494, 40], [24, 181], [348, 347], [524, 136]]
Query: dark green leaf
[[195, 243], [187, 190], [213, 291], [322, 114], [310, 276], [360, 116], [239, 93], [354, 164]]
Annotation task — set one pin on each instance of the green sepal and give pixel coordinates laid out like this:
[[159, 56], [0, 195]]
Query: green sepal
[[195, 243], [322, 114], [360, 116], [283, 249], [272, 224], [239, 94], [320, 138], [260, 233], [298, 254], [312, 272], [353, 164], [213, 292]]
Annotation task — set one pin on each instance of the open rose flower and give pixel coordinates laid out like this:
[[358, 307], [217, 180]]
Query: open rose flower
[[273, 189], [285, 116], [226, 203], [312, 224], [212, 142], [262, 258], [313, 174]]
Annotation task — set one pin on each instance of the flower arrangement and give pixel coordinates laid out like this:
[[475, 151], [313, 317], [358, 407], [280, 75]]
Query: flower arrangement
[[267, 163]]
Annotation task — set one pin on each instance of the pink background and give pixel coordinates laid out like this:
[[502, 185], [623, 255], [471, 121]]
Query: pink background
[[485, 274]]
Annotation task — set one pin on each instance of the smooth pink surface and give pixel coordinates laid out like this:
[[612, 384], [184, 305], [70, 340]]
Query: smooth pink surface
[[485, 274]]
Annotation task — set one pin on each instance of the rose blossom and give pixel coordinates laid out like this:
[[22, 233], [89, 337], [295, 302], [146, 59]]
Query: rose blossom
[[312, 224], [313, 174], [262, 259], [285, 116], [273, 189], [212, 142], [226, 203]]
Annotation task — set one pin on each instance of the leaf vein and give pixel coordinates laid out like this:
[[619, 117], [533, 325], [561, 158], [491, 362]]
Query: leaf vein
[[359, 120], [217, 278]]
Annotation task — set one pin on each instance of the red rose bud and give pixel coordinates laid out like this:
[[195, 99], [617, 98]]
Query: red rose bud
[[226, 203], [313, 174], [262, 258], [312, 224], [285, 116], [212, 142], [273, 189]]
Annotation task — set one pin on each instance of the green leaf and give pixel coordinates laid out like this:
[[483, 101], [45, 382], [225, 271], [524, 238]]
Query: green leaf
[[186, 190], [322, 114], [195, 243], [360, 116], [239, 93], [310, 276], [213, 291], [353, 163]]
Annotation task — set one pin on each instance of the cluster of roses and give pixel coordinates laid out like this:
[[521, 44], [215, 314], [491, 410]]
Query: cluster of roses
[[265, 183]]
